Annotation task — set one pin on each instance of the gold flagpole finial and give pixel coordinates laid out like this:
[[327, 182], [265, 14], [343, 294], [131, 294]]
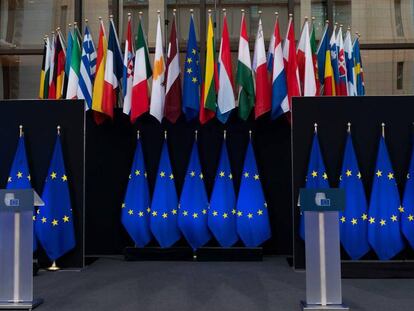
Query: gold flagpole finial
[[340, 25], [306, 18], [86, 21], [21, 130], [140, 13], [209, 11], [224, 134], [313, 18], [290, 15], [191, 11], [58, 129], [316, 127], [276, 13], [100, 18], [349, 28], [383, 129], [349, 127], [250, 134], [158, 12], [138, 134], [260, 12], [165, 134], [196, 134]]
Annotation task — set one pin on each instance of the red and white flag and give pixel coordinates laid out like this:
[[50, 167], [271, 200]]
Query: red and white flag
[[305, 63], [172, 107], [262, 104]]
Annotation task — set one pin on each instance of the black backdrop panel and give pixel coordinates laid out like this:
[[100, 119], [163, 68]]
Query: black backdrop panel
[[40, 119], [110, 149], [366, 115]]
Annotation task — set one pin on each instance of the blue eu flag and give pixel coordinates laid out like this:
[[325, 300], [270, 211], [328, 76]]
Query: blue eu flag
[[222, 215], [354, 220], [384, 233], [164, 208], [136, 206], [54, 225], [192, 218], [316, 177], [19, 177], [407, 208], [253, 224], [192, 78]]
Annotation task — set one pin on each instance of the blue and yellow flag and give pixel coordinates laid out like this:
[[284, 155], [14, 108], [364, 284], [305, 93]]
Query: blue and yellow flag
[[316, 177], [359, 72], [253, 224], [222, 215], [54, 225], [407, 208], [136, 206], [19, 176], [384, 232], [192, 77], [192, 218], [164, 207], [354, 220]]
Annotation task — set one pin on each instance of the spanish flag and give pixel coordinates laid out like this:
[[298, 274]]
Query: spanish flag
[[99, 79]]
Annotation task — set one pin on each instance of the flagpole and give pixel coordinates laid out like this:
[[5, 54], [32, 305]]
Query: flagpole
[[383, 129], [315, 128], [224, 134], [349, 127], [250, 134], [165, 135], [195, 135]]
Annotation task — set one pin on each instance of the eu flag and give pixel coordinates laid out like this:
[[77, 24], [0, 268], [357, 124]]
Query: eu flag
[[407, 208], [19, 177], [316, 177], [222, 215], [192, 78], [253, 224], [136, 206], [54, 227], [164, 207], [384, 233], [192, 218], [354, 220]]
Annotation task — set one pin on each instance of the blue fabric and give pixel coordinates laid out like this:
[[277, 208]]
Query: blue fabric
[[321, 56], [407, 208]]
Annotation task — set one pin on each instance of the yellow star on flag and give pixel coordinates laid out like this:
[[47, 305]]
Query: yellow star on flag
[[162, 174], [19, 174], [141, 214], [410, 217], [239, 213], [379, 173], [225, 215], [164, 215], [364, 216], [343, 219], [9, 179], [256, 177], [204, 211], [28, 177], [359, 175], [383, 222], [250, 215], [259, 212], [44, 219], [314, 174], [65, 218], [145, 174], [390, 176], [394, 218], [64, 178], [189, 70], [194, 80], [123, 205], [192, 174], [401, 209], [148, 210], [408, 175], [348, 173], [221, 174], [230, 176], [354, 221], [201, 176], [193, 51], [34, 217], [325, 176], [185, 213], [55, 222], [154, 213], [195, 215], [174, 212], [53, 175], [137, 172], [246, 175], [130, 212], [189, 60], [233, 211], [372, 220], [171, 176], [215, 213]]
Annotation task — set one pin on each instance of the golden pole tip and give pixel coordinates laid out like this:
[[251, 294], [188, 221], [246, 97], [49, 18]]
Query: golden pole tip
[[165, 134], [195, 134], [100, 18], [158, 12], [58, 129], [316, 127], [138, 134], [224, 134], [349, 127], [86, 20], [276, 13], [290, 15], [313, 18]]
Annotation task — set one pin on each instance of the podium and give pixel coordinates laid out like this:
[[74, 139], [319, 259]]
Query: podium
[[16, 249], [323, 260]]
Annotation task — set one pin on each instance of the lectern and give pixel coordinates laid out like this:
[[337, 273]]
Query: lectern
[[16, 249], [323, 260]]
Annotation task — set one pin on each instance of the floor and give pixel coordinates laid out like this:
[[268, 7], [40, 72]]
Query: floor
[[113, 284]]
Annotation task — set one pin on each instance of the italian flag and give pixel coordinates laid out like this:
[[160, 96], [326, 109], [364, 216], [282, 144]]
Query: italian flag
[[74, 71], [244, 77]]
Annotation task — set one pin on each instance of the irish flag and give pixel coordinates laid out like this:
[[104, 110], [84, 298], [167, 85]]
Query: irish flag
[[244, 76]]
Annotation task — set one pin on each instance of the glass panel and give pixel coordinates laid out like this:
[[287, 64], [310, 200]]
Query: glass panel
[[388, 72], [19, 76], [24, 23]]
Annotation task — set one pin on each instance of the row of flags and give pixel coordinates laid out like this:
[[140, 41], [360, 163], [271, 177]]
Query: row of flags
[[53, 222], [384, 222], [106, 78], [167, 216]]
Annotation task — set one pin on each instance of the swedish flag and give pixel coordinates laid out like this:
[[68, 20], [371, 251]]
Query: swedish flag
[[253, 224], [354, 220], [316, 177], [192, 218], [54, 225], [19, 176], [407, 208], [136, 206], [222, 215], [384, 233], [164, 207]]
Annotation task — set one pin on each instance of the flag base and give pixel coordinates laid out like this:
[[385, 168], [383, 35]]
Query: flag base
[[26, 305], [305, 307]]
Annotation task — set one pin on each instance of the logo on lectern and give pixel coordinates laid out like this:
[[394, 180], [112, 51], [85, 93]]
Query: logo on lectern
[[321, 200], [10, 200]]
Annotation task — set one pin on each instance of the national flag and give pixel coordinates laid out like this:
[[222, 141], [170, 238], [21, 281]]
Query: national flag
[[52, 85], [54, 225], [263, 95], [244, 78], [209, 97], [99, 78], [334, 59], [164, 206], [74, 72], [342, 82], [158, 77], [172, 107], [353, 220], [68, 58], [225, 97], [280, 102], [87, 69], [324, 65], [291, 66], [321, 55], [271, 48], [142, 73], [47, 70], [316, 178], [314, 48], [192, 76], [42, 71], [407, 208], [19, 176], [113, 72], [359, 72], [193, 212], [222, 214], [60, 62], [305, 63], [253, 224], [350, 64], [128, 69], [384, 232], [136, 209], [205, 114]]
